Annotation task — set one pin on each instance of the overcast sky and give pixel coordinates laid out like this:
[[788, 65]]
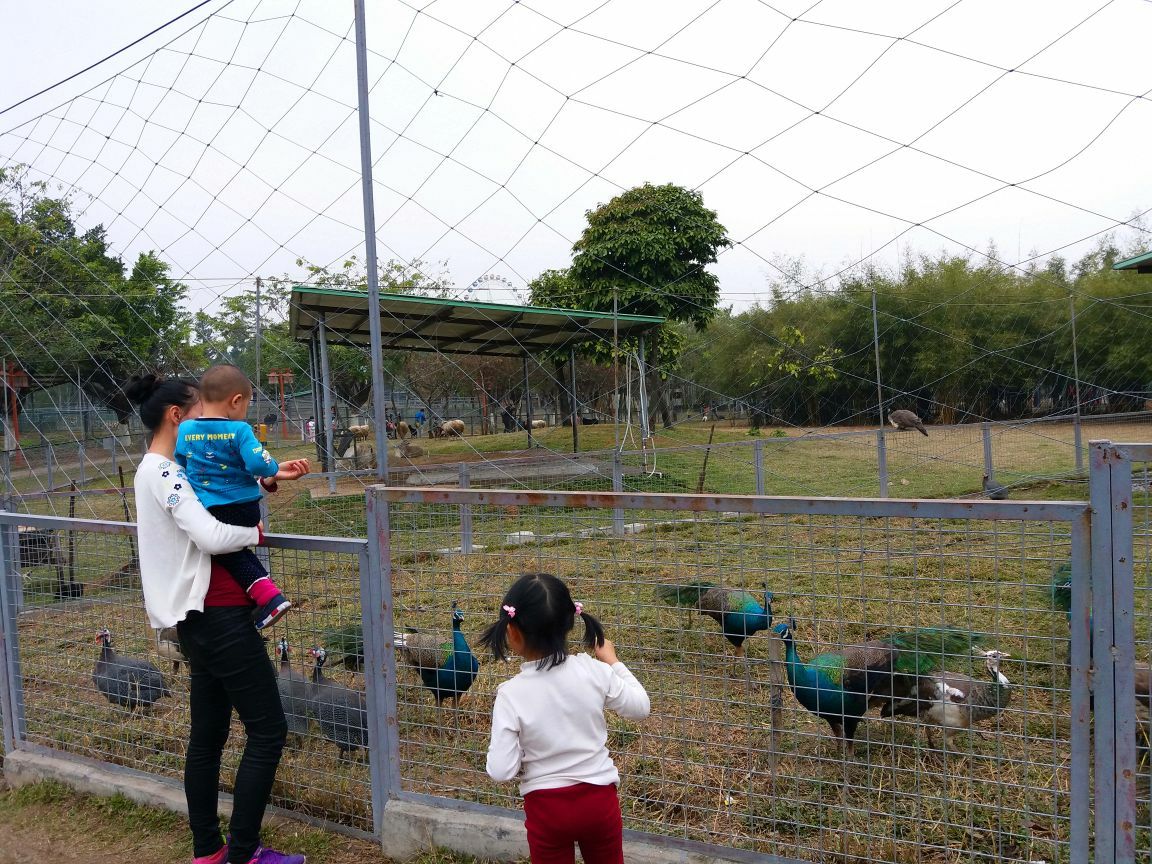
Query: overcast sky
[[817, 130]]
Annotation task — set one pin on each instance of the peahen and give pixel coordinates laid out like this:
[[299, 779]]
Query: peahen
[[446, 667], [840, 687], [903, 419], [954, 701], [126, 681], [738, 612]]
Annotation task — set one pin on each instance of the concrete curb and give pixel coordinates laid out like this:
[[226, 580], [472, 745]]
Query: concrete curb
[[410, 827]]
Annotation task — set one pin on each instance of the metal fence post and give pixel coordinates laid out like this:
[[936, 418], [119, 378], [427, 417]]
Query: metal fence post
[[11, 680], [265, 516], [1113, 650], [80, 452], [1080, 684], [465, 514], [379, 656], [49, 460], [1078, 443], [6, 467], [617, 486], [882, 462], [986, 434], [759, 456]]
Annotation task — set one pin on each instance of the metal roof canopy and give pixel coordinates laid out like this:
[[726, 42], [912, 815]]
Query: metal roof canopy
[[1141, 263], [411, 322]]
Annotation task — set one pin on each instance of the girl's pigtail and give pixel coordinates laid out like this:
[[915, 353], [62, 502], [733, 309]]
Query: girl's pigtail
[[495, 638], [593, 632]]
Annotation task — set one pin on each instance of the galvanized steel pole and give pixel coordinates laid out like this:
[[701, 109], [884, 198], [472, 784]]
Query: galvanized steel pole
[[881, 451], [1076, 380], [379, 417]]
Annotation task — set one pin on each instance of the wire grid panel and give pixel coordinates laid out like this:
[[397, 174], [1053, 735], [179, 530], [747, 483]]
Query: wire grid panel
[[728, 755], [66, 709]]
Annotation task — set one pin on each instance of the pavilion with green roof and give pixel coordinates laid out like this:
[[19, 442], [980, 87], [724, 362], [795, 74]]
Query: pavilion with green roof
[[410, 322], [1141, 263]]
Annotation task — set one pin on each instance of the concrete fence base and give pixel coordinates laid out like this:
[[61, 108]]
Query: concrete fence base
[[410, 827]]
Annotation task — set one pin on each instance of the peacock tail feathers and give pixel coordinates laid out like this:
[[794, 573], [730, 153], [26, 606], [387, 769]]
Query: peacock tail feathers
[[1060, 587], [688, 594], [925, 649]]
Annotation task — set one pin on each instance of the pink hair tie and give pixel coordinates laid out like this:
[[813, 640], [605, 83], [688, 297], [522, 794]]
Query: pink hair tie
[[579, 607], [511, 610]]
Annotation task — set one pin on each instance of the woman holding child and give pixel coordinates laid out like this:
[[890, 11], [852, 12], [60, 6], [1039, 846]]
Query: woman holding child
[[184, 587]]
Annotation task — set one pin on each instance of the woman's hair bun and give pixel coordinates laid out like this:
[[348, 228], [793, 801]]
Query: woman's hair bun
[[140, 388]]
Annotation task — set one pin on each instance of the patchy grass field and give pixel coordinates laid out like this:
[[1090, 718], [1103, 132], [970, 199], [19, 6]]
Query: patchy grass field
[[49, 822]]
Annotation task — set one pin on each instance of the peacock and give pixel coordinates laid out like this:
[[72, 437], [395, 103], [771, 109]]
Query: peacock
[[840, 687], [446, 667], [954, 701], [738, 612]]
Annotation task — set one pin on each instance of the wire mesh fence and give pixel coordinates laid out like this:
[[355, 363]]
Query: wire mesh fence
[[730, 756], [961, 726], [74, 699]]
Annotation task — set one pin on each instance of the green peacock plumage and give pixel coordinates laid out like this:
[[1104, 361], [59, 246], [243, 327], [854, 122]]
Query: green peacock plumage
[[840, 687], [739, 613]]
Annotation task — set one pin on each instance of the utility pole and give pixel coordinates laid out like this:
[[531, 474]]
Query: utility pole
[[379, 415], [257, 377]]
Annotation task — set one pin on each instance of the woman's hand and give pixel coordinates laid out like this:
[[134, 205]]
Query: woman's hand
[[606, 652]]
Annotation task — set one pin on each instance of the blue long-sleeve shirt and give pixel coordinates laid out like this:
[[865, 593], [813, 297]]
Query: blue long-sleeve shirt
[[223, 459]]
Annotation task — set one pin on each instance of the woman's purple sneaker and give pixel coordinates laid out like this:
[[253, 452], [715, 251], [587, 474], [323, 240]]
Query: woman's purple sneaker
[[271, 856]]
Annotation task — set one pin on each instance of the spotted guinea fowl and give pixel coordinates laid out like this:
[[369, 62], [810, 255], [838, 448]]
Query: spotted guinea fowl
[[903, 419], [994, 491], [126, 681], [840, 687], [447, 667], [168, 647], [954, 701], [341, 712], [295, 694], [738, 612]]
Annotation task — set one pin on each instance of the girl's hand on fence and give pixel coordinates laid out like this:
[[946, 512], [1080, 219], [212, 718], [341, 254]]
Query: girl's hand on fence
[[606, 652]]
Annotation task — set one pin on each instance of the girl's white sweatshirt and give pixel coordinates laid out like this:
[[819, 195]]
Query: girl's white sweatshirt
[[177, 539], [548, 725]]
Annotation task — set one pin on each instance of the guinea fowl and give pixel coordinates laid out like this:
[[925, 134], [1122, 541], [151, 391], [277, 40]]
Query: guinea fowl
[[903, 419], [168, 647], [295, 694], [994, 491], [738, 612], [840, 687], [954, 701], [341, 712], [446, 667], [126, 681]]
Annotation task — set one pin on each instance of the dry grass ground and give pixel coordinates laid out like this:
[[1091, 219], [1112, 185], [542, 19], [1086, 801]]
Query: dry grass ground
[[48, 822]]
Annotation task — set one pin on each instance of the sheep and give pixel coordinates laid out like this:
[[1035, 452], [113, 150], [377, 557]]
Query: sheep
[[403, 430], [539, 424], [452, 427], [357, 458]]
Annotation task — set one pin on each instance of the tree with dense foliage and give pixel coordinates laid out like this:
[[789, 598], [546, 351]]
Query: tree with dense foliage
[[70, 310], [645, 252]]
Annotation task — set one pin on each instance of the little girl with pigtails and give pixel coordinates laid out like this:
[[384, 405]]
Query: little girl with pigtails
[[548, 726]]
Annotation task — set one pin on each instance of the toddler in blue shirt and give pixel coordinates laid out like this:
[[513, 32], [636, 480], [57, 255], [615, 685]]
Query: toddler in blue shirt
[[223, 460]]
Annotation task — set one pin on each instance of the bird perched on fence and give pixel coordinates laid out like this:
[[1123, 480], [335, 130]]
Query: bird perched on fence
[[954, 701], [840, 687], [295, 694], [126, 681], [738, 612], [994, 491], [903, 419], [168, 647], [447, 667], [341, 711]]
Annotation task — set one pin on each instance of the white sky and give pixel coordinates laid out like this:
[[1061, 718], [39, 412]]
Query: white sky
[[235, 149]]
